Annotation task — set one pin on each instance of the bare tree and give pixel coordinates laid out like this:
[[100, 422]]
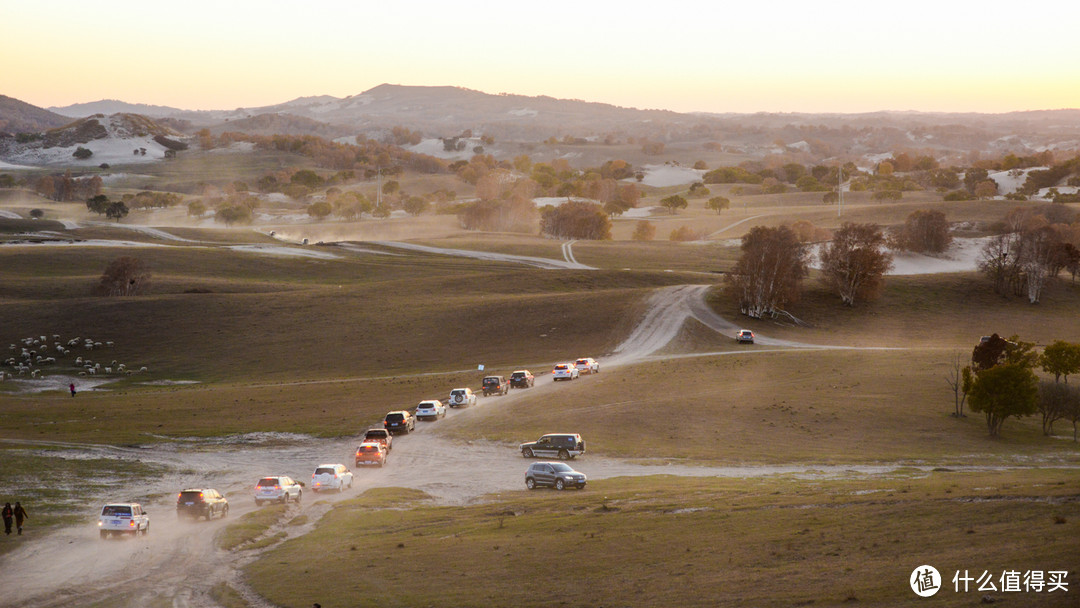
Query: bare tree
[[124, 276], [959, 381], [1035, 259], [768, 274], [1053, 403], [854, 263]]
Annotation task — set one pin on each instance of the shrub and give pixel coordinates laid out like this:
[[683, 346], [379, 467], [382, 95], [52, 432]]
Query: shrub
[[644, 231], [686, 233], [82, 153]]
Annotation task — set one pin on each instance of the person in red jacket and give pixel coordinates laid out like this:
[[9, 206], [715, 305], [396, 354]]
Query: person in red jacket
[[7, 517]]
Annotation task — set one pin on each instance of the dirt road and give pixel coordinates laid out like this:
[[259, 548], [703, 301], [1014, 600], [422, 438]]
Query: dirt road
[[178, 563]]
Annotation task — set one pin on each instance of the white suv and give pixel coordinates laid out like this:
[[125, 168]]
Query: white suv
[[331, 477], [123, 518], [462, 397], [587, 365], [430, 409], [278, 489], [565, 371]]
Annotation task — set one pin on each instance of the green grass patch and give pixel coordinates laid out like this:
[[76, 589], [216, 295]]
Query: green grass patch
[[249, 527], [647, 541], [227, 597]]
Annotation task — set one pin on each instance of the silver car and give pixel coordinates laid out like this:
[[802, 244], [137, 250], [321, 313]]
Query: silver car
[[278, 489]]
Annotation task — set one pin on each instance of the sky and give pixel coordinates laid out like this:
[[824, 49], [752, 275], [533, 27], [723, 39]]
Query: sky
[[686, 56]]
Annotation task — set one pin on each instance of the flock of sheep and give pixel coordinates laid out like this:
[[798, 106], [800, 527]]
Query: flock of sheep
[[33, 356]]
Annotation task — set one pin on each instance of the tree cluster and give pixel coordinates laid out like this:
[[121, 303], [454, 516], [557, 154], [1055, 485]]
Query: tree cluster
[[924, 231], [854, 263], [64, 188], [575, 220], [1004, 384], [769, 272], [1032, 249]]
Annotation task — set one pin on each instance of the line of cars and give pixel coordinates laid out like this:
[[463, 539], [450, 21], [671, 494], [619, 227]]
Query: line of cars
[[117, 519]]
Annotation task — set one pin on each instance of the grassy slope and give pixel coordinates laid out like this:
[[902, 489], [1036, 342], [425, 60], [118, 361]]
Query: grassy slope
[[691, 542]]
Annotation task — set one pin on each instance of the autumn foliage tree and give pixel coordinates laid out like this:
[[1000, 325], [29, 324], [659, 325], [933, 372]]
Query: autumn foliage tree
[[124, 276], [576, 220], [854, 263], [644, 230], [768, 275], [924, 231]]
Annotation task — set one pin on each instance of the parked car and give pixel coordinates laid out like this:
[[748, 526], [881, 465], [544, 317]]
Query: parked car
[[587, 365], [562, 445], [565, 371], [430, 410], [745, 336], [331, 477], [522, 378], [278, 489], [558, 475], [462, 397], [123, 518], [371, 454], [201, 502], [400, 421], [496, 385], [383, 436]]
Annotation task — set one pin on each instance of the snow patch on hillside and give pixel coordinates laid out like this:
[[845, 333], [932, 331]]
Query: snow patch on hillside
[[1010, 181], [662, 176]]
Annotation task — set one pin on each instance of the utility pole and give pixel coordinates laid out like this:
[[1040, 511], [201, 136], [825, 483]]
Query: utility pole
[[840, 189]]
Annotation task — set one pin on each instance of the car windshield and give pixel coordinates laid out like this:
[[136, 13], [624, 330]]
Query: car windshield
[[395, 417], [517, 375], [377, 434], [560, 367], [562, 468], [116, 510], [491, 380], [324, 471], [269, 481], [195, 495], [582, 362]]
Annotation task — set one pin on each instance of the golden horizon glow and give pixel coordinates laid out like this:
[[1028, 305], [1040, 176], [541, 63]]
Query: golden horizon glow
[[693, 56]]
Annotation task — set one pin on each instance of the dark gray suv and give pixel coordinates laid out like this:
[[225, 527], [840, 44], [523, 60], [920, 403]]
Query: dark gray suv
[[558, 475]]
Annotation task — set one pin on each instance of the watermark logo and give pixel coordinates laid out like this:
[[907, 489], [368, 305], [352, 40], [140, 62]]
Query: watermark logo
[[925, 581]]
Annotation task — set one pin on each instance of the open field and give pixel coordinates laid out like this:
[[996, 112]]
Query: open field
[[819, 406], [678, 542], [318, 349]]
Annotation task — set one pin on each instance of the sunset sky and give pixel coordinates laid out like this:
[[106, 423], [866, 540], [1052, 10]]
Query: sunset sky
[[683, 55]]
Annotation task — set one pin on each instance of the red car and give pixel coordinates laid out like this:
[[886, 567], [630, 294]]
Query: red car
[[372, 453]]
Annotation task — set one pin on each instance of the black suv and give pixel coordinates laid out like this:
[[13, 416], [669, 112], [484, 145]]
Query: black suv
[[522, 378], [496, 385], [564, 446], [201, 503], [399, 421]]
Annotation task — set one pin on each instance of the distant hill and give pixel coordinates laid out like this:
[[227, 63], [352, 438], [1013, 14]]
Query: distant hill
[[119, 138], [20, 117], [113, 106], [282, 124]]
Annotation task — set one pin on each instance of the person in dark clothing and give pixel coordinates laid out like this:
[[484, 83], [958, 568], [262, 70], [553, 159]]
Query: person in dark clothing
[[20, 515], [72, 387], [7, 517]]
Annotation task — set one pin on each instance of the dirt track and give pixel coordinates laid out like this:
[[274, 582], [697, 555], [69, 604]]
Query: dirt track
[[178, 561]]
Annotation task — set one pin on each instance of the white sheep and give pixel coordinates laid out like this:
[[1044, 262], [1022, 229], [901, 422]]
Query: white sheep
[[97, 344], [82, 373], [109, 344], [78, 361], [43, 338], [56, 336], [121, 367], [108, 370], [89, 346], [97, 366], [92, 371], [34, 374], [143, 369]]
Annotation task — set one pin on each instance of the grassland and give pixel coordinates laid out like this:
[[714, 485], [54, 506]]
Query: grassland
[[691, 542]]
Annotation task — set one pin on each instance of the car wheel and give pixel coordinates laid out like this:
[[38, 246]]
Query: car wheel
[[258, 503], [299, 495], [527, 453], [104, 534], [225, 512], [564, 455], [530, 483], [285, 498], [559, 484]]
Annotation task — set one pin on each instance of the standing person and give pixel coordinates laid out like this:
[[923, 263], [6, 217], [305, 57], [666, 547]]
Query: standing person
[[7, 517], [72, 387], [20, 515]]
